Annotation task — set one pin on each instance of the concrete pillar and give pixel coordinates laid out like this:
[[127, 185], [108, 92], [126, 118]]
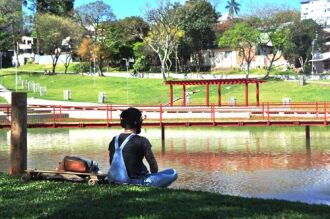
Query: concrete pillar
[[18, 140]]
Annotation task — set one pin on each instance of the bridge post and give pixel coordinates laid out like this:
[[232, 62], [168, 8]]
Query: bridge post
[[18, 137], [308, 134], [171, 95], [184, 95], [163, 132]]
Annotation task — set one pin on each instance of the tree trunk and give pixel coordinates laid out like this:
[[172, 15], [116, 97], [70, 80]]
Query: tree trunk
[[163, 70], [67, 63], [101, 62], [54, 59]]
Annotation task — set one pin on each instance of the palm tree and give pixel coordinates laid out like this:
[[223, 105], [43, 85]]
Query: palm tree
[[233, 8]]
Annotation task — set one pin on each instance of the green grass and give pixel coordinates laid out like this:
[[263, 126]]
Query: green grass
[[45, 199], [2, 100], [154, 91], [73, 67]]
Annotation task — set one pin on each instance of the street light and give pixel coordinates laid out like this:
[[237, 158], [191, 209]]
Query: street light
[[313, 45], [127, 65], [1, 66]]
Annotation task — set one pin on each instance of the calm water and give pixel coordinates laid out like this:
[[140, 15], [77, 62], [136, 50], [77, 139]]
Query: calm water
[[266, 163]]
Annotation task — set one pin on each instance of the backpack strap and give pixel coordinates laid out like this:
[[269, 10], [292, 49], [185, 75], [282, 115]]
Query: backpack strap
[[124, 143]]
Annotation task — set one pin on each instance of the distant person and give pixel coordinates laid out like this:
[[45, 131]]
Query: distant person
[[126, 152]]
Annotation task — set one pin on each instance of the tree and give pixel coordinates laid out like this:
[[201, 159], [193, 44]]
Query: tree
[[96, 17], [301, 37], [233, 8], [165, 32], [244, 38], [11, 23], [55, 7], [199, 18], [52, 30], [142, 56], [92, 16], [274, 23]]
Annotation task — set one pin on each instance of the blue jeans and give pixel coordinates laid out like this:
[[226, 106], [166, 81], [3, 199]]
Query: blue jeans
[[160, 179]]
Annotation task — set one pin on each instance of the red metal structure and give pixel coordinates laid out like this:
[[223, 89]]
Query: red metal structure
[[267, 114], [217, 82]]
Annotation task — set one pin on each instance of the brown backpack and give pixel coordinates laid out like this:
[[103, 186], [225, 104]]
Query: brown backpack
[[77, 164]]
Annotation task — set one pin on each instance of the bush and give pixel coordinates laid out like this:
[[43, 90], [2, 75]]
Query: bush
[[79, 67]]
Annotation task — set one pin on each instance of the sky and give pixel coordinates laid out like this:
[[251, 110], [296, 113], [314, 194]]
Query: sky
[[126, 8]]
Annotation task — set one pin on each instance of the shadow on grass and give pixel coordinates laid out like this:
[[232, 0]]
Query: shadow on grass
[[44, 199]]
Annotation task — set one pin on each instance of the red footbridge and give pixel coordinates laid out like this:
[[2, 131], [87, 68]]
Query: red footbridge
[[98, 116]]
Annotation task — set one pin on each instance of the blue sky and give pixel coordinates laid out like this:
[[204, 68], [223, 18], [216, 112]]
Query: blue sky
[[125, 8]]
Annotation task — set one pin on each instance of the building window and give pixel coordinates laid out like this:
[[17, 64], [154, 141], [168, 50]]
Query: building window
[[227, 54]]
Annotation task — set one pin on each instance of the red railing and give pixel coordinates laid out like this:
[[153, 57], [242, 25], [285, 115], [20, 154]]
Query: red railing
[[53, 116]]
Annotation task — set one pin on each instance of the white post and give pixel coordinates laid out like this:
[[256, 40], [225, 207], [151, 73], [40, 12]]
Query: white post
[[16, 67], [94, 71], [313, 43]]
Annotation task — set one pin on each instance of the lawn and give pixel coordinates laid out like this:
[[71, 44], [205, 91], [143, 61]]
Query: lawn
[[153, 91], [45, 199]]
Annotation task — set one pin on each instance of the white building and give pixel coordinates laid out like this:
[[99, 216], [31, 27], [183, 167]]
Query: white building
[[25, 51], [318, 10]]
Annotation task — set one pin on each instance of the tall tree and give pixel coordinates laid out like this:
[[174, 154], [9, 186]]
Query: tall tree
[[52, 30], [302, 35], [275, 24], [93, 15], [233, 8], [199, 18], [95, 18], [55, 7], [12, 22], [165, 32], [244, 38]]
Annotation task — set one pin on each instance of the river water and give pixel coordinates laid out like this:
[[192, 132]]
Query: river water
[[257, 162]]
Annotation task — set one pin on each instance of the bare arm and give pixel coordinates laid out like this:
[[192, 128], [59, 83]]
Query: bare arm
[[151, 160]]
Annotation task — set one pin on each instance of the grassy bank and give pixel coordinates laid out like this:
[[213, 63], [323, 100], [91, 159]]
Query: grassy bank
[[43, 199], [154, 91]]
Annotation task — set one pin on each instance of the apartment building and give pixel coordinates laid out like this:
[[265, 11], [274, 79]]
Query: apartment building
[[318, 10]]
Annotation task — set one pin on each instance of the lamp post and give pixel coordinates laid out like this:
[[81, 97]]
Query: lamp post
[[126, 64], [16, 65], [313, 45], [1, 66], [176, 59]]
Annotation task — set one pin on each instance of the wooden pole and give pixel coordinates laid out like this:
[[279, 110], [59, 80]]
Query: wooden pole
[[184, 95], [308, 134], [171, 95], [257, 93], [219, 94], [163, 132], [18, 139], [207, 91], [246, 94]]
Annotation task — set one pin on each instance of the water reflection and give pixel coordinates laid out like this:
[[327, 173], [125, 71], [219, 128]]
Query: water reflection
[[268, 163]]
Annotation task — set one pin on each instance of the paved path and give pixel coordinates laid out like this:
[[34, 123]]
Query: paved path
[[5, 93]]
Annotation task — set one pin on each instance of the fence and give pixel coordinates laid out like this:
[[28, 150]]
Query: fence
[[279, 114]]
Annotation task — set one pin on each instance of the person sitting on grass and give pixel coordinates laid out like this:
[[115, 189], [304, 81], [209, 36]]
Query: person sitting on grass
[[126, 153]]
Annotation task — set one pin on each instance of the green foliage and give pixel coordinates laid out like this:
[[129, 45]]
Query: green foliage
[[47, 199], [302, 34], [242, 37], [141, 64], [233, 8], [55, 7], [51, 30], [198, 20], [11, 24]]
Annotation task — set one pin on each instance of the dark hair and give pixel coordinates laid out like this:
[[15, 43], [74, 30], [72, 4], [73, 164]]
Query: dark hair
[[131, 118]]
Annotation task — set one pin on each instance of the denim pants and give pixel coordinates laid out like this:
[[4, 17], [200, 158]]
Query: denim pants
[[160, 179]]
